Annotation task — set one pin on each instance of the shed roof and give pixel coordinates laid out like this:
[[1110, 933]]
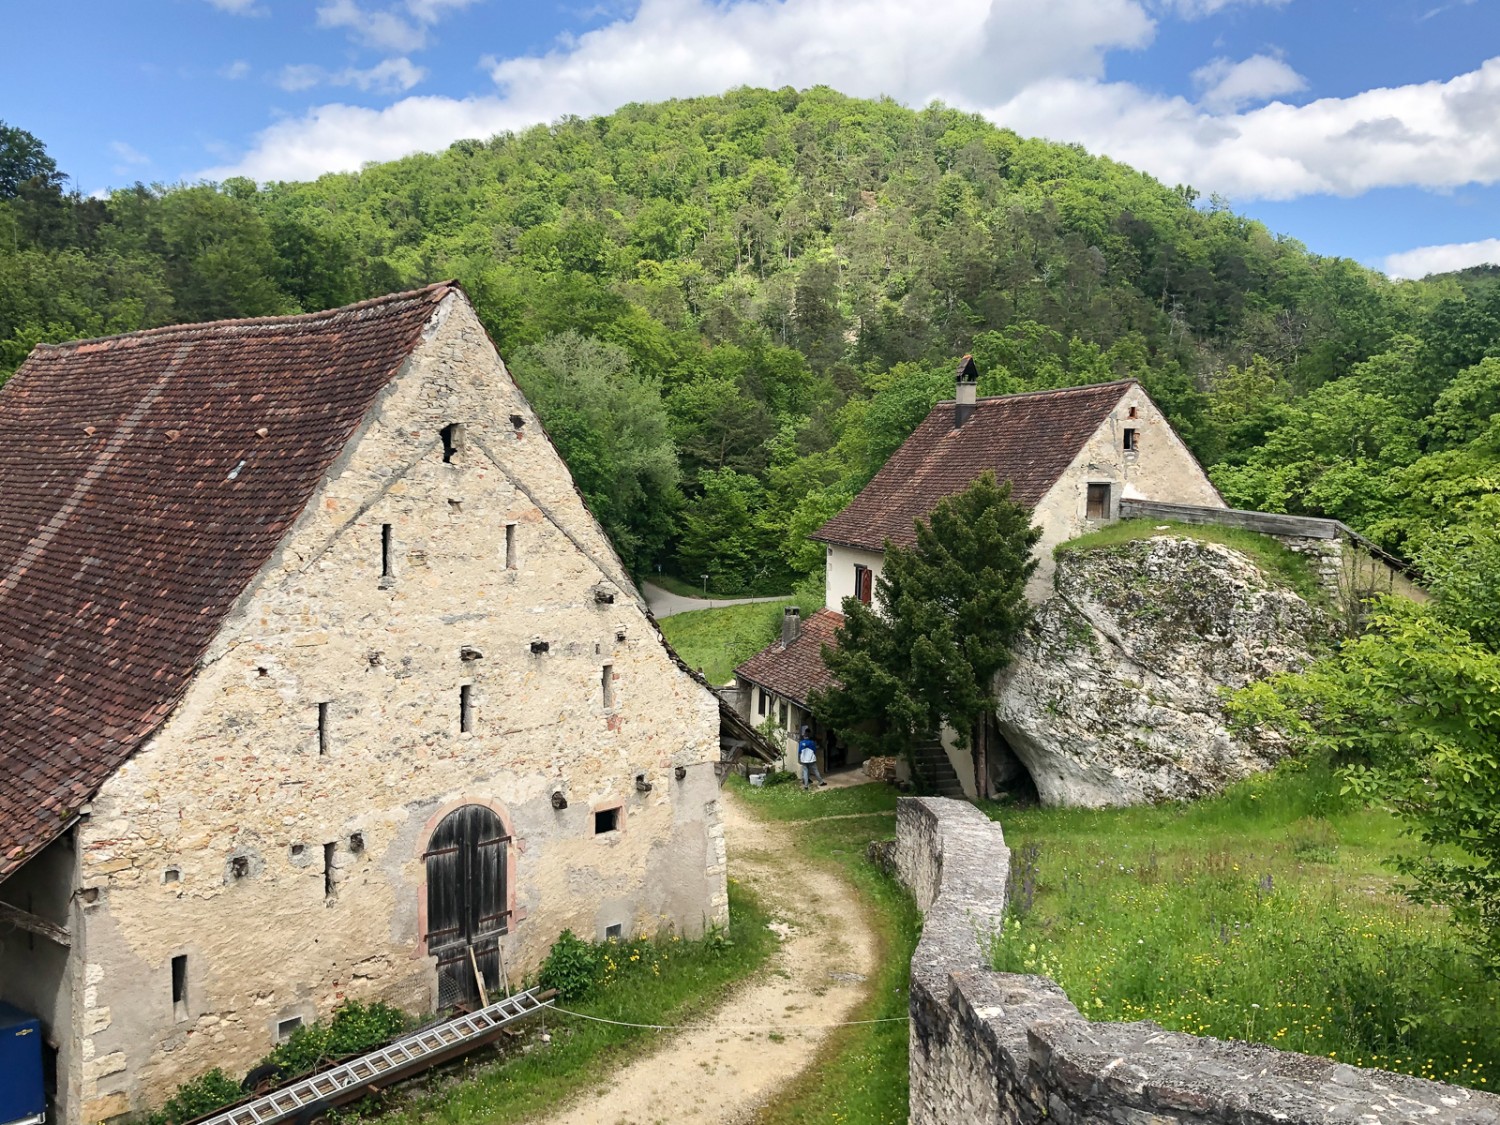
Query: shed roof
[[1026, 439], [144, 480]]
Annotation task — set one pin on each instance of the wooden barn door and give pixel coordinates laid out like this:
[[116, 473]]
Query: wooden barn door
[[466, 903]]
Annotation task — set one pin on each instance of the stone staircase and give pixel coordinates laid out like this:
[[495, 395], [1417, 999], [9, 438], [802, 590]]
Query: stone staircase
[[934, 772]]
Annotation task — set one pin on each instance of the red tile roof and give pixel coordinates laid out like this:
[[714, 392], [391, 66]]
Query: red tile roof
[[1027, 439], [796, 670], [144, 480]]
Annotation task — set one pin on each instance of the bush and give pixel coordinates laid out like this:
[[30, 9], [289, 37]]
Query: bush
[[353, 1029], [572, 967], [203, 1094]]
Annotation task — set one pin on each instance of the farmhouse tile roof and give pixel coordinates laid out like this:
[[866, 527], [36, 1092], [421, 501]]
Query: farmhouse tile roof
[[796, 670], [144, 480], [1027, 439]]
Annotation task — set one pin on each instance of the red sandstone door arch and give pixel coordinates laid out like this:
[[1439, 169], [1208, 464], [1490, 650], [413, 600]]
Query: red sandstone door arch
[[467, 902]]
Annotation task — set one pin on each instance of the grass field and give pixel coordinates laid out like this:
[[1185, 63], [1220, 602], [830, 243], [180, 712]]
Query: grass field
[[860, 1075], [718, 640], [668, 981], [1266, 914]]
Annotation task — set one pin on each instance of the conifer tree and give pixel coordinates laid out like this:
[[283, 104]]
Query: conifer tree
[[947, 613]]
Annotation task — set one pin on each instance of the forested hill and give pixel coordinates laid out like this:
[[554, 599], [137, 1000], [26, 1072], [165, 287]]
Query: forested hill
[[730, 310]]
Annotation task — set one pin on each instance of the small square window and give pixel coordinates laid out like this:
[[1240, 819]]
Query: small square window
[[606, 820], [239, 866], [284, 1028], [171, 875], [614, 933]]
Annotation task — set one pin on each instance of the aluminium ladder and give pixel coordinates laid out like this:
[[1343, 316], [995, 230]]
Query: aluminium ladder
[[373, 1071]]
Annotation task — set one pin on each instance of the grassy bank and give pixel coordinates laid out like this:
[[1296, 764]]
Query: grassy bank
[[1266, 914], [1283, 566], [667, 981], [718, 640], [859, 1076]]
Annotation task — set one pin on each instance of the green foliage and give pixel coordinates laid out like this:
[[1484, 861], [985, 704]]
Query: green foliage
[[1259, 915], [790, 277], [572, 966], [352, 1029], [1412, 711], [203, 1094], [611, 428], [948, 611]]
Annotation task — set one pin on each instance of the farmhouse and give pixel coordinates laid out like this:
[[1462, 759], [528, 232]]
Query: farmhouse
[[319, 681], [1072, 455]]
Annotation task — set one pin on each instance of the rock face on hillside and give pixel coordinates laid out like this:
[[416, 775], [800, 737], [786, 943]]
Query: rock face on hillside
[[1115, 698]]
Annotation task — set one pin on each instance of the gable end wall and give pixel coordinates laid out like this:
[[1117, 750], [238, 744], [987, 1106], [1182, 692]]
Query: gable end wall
[[236, 771]]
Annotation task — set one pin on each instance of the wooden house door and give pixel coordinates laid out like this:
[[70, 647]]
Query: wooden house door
[[467, 866]]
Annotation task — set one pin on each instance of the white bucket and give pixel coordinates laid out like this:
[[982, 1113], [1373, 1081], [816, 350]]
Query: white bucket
[[757, 779]]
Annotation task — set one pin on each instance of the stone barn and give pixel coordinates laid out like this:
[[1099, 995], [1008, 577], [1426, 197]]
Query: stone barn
[[318, 680]]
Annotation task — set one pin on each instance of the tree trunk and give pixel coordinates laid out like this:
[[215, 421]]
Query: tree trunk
[[981, 759]]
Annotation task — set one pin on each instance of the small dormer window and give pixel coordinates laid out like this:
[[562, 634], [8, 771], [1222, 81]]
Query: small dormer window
[[453, 442], [1132, 440]]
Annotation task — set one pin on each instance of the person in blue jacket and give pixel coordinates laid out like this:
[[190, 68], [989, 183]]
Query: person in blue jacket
[[807, 756]]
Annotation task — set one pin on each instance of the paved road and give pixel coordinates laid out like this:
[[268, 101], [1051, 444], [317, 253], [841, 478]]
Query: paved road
[[664, 603]]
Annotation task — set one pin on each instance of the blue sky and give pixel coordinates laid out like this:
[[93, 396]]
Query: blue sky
[[1367, 129]]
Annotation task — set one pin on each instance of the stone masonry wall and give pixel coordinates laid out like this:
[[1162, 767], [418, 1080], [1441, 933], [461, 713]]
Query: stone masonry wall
[[990, 1047], [210, 842]]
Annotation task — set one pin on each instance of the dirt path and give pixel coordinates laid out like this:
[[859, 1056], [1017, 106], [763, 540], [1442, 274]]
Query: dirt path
[[818, 976]]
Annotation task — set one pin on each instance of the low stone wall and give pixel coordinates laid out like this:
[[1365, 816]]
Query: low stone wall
[[997, 1047]]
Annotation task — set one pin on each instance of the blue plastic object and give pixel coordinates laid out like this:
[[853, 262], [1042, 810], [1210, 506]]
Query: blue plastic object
[[22, 1097]]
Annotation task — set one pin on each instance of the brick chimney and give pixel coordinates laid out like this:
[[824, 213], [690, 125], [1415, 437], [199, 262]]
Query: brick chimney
[[967, 392], [791, 625]]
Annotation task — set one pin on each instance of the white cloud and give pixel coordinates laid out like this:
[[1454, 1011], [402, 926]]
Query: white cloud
[[235, 70], [390, 76], [1037, 68], [403, 27], [1199, 9], [238, 7], [1441, 259], [1435, 135], [128, 153], [1228, 85]]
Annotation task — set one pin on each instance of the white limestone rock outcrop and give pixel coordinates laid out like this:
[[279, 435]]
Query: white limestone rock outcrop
[[1116, 697]]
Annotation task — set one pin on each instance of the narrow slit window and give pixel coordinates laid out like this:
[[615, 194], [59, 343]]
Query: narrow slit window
[[510, 546], [606, 820], [322, 729], [1132, 442], [385, 551], [1098, 502], [453, 442], [466, 709], [764, 701], [329, 851], [607, 683], [179, 986]]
